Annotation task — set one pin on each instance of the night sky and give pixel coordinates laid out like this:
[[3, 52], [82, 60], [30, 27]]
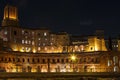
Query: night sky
[[73, 16]]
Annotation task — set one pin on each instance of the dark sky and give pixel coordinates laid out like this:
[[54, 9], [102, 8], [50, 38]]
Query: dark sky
[[73, 16]]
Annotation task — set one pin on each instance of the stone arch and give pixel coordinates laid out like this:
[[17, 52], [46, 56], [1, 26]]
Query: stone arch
[[44, 68], [23, 60]]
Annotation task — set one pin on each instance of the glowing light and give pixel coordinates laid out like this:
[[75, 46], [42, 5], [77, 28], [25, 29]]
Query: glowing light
[[12, 17], [53, 70], [28, 49], [44, 70], [96, 49], [73, 57], [15, 48], [21, 50], [34, 51], [63, 70], [93, 68]]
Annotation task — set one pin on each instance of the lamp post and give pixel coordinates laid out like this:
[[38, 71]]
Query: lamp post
[[73, 59]]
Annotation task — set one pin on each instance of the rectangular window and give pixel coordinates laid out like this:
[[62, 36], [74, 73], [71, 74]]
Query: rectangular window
[[33, 43], [45, 34], [22, 31], [26, 42], [38, 38], [39, 48], [22, 41], [43, 44], [29, 42]]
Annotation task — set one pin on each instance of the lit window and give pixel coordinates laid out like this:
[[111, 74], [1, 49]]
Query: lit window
[[109, 62], [52, 38], [116, 69], [5, 39], [32, 33], [115, 59], [45, 48], [5, 32], [22, 31], [26, 42], [116, 45], [22, 41], [23, 48], [38, 38], [52, 48], [46, 39], [45, 34], [34, 51], [43, 44], [82, 48], [39, 48], [29, 42], [33, 43], [51, 43], [26, 48], [26, 37]]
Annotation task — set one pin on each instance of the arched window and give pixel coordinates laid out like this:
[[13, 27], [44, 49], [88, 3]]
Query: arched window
[[48, 60], [67, 61], [80, 60], [116, 69], [18, 60], [5, 59], [109, 62], [28, 60], [84, 59], [62, 60], [58, 60], [23, 60], [13, 59], [43, 60], [92, 60], [38, 60], [115, 59], [33, 60], [53, 60], [1, 58], [9, 59]]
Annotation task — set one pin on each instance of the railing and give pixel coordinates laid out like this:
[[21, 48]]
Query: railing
[[61, 70], [86, 70]]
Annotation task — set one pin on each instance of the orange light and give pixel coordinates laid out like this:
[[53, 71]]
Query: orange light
[[73, 57]]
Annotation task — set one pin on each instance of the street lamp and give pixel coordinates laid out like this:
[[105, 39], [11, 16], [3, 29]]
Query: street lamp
[[73, 59]]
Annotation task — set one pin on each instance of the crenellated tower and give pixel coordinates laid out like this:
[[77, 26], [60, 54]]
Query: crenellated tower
[[10, 16]]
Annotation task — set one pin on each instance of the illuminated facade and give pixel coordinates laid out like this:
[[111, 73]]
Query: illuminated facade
[[41, 40], [40, 50], [60, 62], [87, 44]]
